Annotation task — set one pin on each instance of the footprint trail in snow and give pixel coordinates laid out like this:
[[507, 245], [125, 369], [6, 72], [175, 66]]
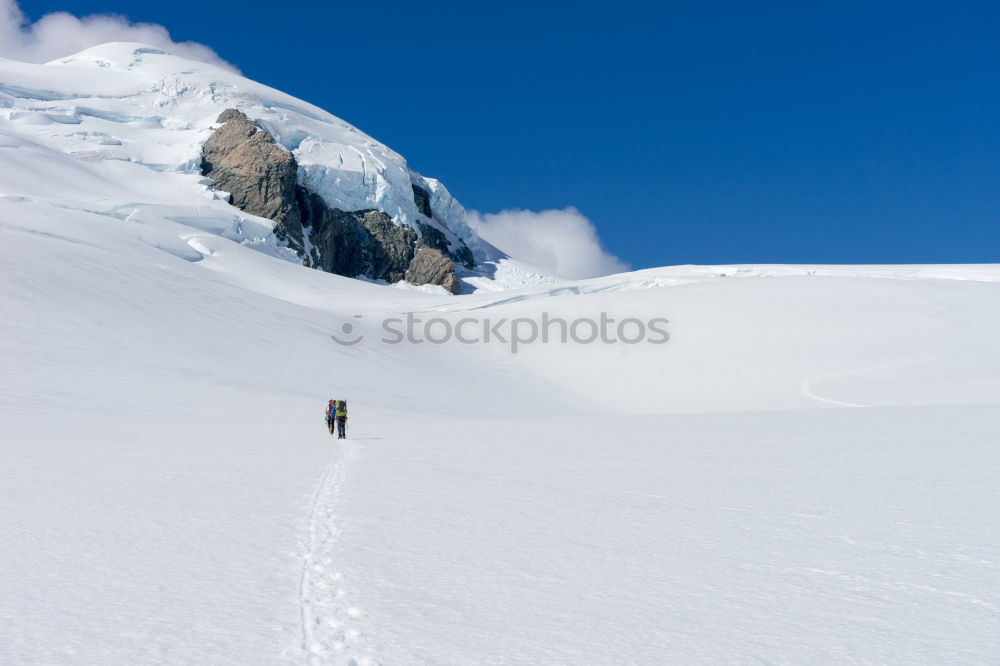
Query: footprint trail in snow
[[330, 624]]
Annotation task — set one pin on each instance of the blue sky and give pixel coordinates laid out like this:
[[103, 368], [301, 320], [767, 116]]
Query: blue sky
[[702, 132]]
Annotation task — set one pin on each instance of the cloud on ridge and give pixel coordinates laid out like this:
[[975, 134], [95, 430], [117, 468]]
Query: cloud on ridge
[[61, 34]]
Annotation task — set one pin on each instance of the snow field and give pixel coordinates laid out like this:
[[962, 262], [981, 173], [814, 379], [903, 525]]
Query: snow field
[[805, 473]]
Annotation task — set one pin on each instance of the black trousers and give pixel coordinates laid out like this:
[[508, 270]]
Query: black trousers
[[341, 426]]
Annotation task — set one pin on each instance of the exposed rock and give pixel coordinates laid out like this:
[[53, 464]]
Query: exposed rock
[[232, 114], [261, 176], [243, 160], [340, 242], [435, 237], [422, 198], [431, 266], [392, 250], [464, 254]]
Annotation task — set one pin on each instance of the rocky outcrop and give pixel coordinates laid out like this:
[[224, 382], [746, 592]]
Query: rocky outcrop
[[464, 255], [422, 198], [261, 177], [393, 248], [339, 240], [436, 238], [433, 237], [431, 266]]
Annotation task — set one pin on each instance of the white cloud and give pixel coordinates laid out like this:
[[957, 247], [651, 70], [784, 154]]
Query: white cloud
[[62, 34], [562, 240]]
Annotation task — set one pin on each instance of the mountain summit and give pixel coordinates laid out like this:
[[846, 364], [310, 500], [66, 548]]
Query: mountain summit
[[159, 136]]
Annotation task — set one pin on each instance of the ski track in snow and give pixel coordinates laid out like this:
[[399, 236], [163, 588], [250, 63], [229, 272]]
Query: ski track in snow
[[806, 388], [329, 622], [806, 385]]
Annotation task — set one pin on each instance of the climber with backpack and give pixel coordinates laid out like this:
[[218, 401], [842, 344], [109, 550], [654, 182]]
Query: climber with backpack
[[341, 416], [331, 416]]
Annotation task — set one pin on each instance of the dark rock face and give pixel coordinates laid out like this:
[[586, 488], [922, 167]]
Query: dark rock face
[[422, 198], [261, 176], [339, 239], [465, 255], [431, 266], [392, 250], [433, 236]]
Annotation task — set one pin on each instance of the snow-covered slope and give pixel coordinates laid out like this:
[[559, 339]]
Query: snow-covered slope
[[169, 493], [806, 472]]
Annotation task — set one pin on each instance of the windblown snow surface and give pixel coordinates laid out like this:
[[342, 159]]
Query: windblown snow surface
[[806, 472]]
